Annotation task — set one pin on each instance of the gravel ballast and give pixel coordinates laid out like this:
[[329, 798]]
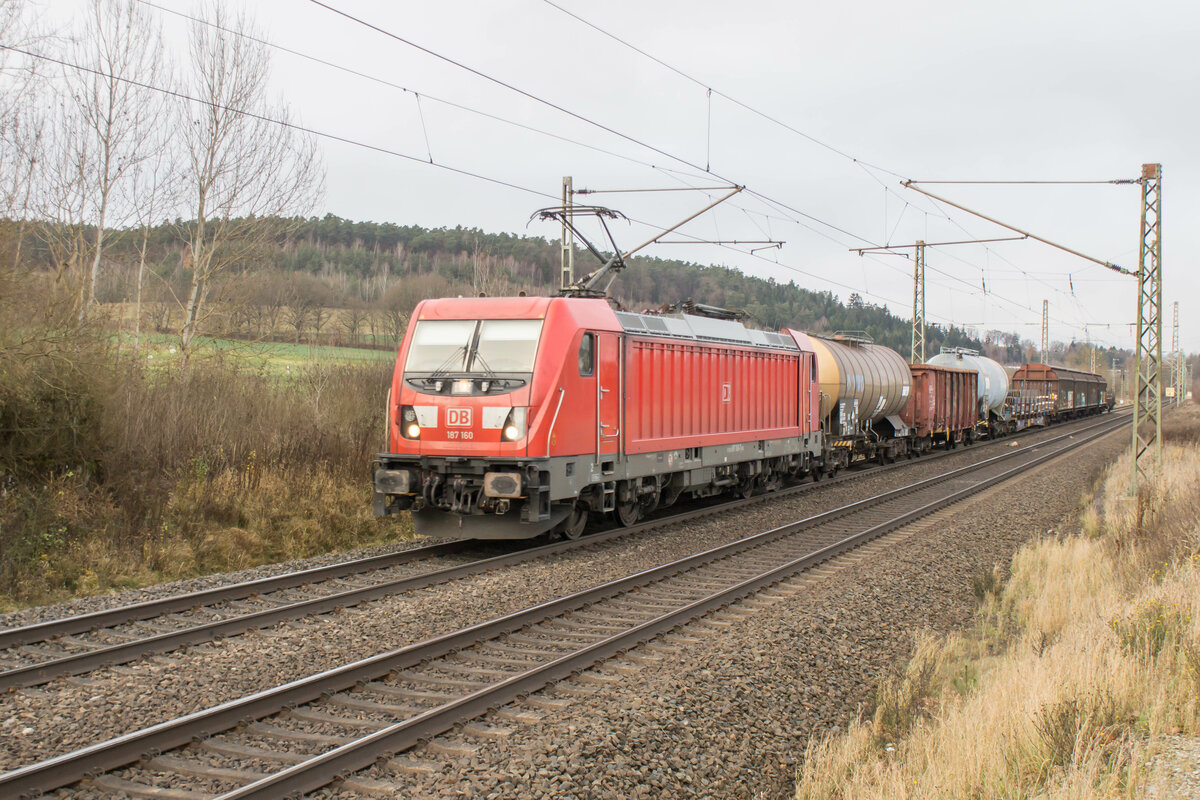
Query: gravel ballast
[[40, 723], [727, 712]]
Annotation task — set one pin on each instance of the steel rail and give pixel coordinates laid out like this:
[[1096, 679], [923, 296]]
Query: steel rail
[[148, 609], [70, 767], [107, 618], [78, 663], [361, 753]]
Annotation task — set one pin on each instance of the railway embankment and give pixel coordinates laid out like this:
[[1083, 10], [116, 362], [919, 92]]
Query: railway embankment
[[1079, 676]]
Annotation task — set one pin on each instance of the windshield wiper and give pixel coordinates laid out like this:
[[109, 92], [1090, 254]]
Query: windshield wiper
[[444, 368], [488, 371]]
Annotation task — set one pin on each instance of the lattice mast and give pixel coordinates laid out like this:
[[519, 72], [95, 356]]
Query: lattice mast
[[1147, 355], [918, 324], [568, 234], [1176, 358], [1045, 331]]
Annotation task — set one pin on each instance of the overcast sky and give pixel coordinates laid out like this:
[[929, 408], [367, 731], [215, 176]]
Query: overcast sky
[[924, 90]]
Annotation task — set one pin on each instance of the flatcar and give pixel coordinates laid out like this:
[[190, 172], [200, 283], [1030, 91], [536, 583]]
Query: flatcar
[[514, 417]]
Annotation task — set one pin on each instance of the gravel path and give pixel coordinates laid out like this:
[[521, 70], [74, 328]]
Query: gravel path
[[1176, 770], [727, 710], [39, 723]]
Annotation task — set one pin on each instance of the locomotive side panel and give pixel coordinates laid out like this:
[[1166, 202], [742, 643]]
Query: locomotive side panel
[[687, 395]]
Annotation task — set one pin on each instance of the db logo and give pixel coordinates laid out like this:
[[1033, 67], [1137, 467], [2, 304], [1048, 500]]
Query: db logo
[[726, 393], [458, 417]]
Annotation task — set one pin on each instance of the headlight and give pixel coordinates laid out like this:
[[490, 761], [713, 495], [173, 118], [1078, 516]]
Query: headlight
[[514, 425], [409, 428]]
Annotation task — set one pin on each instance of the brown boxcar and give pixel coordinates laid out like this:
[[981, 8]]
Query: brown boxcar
[[1069, 392], [944, 404]]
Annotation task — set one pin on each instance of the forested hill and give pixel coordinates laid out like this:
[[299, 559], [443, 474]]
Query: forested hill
[[382, 270], [468, 259]]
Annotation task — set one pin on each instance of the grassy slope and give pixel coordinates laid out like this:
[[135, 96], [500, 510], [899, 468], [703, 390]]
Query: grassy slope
[[1075, 672]]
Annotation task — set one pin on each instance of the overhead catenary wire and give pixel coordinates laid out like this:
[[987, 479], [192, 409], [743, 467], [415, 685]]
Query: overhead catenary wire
[[180, 95], [866, 166], [718, 92], [392, 84], [562, 109]]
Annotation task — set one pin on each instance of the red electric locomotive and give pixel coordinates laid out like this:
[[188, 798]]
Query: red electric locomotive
[[512, 417]]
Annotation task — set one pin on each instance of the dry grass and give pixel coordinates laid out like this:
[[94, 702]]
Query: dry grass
[[1076, 669], [113, 475]]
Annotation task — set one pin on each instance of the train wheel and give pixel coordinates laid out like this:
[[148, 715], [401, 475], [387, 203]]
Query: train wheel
[[627, 513], [573, 526]]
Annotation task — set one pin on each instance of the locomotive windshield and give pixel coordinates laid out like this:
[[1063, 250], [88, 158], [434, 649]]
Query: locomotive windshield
[[474, 347]]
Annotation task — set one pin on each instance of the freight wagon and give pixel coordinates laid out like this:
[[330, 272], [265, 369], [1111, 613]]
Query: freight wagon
[[995, 415], [864, 389], [944, 408], [1060, 392]]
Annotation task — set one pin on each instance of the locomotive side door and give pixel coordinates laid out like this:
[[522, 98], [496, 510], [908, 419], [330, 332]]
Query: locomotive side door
[[608, 393]]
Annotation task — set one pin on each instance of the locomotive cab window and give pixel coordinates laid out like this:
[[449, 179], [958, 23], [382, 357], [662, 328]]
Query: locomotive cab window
[[587, 355], [474, 347]]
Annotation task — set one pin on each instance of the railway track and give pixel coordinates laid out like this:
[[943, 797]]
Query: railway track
[[307, 733], [38, 653]]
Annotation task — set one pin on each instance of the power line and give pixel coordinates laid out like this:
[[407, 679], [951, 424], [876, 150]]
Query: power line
[[393, 85], [561, 109], [866, 166], [274, 121], [761, 196], [512, 88], [719, 93]]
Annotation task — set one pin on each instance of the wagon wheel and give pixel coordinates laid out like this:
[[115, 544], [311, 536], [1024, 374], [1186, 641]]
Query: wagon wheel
[[745, 489], [572, 527], [627, 512]]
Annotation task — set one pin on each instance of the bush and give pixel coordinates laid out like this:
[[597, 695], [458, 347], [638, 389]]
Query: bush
[[113, 474]]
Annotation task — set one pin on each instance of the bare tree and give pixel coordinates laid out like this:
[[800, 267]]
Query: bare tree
[[156, 194], [354, 316], [19, 113], [62, 164], [123, 50], [243, 163]]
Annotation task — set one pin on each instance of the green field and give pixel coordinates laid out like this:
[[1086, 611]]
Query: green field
[[276, 357]]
